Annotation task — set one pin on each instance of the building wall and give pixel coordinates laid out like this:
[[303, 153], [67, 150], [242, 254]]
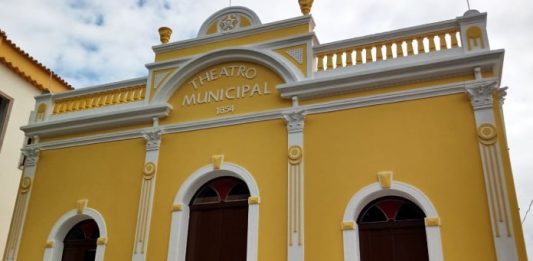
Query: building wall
[[429, 143], [108, 175], [22, 94]]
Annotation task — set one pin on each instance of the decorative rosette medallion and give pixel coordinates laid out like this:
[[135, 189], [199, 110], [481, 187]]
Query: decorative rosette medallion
[[487, 134]]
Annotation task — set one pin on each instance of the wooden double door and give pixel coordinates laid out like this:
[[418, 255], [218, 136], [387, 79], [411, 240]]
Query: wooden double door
[[218, 222]]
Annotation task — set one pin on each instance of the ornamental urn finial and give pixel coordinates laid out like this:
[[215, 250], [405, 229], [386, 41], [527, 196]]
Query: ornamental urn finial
[[164, 34], [305, 6]]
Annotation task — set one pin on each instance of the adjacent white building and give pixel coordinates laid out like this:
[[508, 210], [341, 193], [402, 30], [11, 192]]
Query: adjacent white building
[[21, 79]]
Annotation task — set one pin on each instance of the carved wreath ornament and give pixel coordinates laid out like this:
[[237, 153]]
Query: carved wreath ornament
[[228, 23], [25, 184], [487, 134], [295, 154], [149, 170]]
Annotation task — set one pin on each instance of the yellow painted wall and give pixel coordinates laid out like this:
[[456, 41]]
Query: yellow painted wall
[[261, 148], [430, 143], [108, 175]]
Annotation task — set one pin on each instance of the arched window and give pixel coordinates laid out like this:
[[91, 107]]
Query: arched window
[[218, 221], [392, 229], [80, 242]]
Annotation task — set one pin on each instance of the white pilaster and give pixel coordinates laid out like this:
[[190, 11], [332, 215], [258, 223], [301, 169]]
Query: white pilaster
[[295, 126], [21, 205], [482, 97], [144, 215]]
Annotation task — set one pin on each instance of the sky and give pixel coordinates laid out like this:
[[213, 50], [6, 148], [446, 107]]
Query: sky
[[89, 42]]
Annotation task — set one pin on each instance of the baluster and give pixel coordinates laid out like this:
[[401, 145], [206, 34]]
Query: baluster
[[349, 58], [379, 53], [442, 39], [410, 50], [420, 45], [329, 60], [358, 56], [143, 92], [432, 46], [388, 49], [57, 108], [90, 102], [399, 49], [138, 95], [453, 36], [368, 51], [320, 63], [118, 96], [338, 62]]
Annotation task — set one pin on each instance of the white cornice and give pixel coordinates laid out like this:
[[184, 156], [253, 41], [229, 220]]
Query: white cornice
[[248, 31], [263, 45], [344, 104], [125, 117], [351, 79]]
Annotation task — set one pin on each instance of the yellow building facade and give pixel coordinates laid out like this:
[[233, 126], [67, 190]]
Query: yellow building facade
[[324, 144]]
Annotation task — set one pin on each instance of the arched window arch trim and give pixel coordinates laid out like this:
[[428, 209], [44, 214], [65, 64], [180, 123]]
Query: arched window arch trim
[[374, 191], [180, 219], [54, 250]]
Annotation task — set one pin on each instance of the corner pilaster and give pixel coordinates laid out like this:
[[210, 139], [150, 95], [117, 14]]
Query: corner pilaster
[[31, 158], [482, 95], [295, 127], [144, 215]]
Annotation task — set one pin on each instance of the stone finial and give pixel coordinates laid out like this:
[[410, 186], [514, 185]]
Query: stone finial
[[164, 34], [305, 6]]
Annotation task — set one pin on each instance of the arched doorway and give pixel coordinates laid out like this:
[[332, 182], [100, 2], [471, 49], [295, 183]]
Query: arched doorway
[[80, 242], [392, 229], [218, 221]]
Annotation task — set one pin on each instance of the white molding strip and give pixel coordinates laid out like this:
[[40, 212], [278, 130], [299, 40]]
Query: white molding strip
[[180, 214], [21, 205], [54, 244], [295, 190], [482, 98], [374, 191], [344, 104], [146, 200], [109, 119]]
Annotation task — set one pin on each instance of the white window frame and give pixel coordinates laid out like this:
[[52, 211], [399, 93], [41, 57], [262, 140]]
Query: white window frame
[[374, 191], [63, 226], [180, 219]]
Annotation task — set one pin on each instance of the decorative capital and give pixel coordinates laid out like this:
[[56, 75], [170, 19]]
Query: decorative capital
[[385, 179], [177, 207], [481, 96], [101, 241], [217, 161], [295, 121], [253, 200], [432, 221], [348, 225], [153, 139], [49, 244], [501, 93], [81, 205], [31, 156]]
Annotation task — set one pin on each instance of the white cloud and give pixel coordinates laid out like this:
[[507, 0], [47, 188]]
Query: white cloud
[[92, 42]]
